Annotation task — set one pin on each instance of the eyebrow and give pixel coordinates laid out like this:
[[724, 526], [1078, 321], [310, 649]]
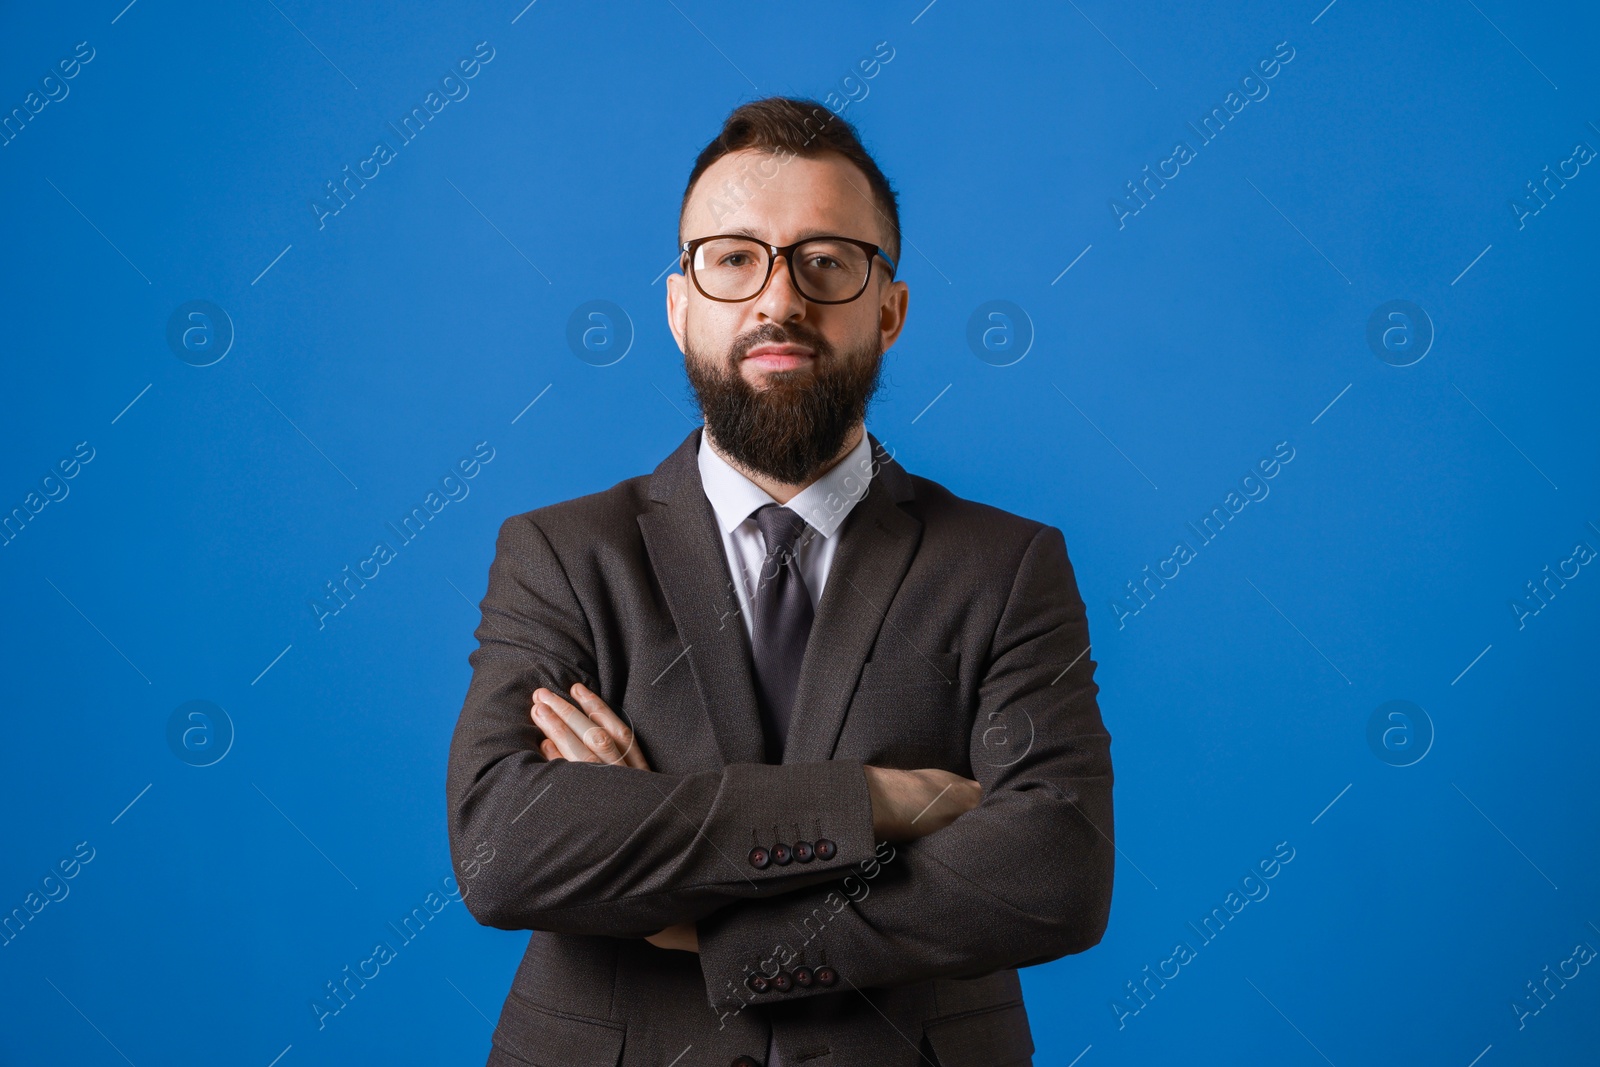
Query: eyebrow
[[803, 236]]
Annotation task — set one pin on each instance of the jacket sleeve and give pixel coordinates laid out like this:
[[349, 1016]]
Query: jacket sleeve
[[1023, 878], [590, 848]]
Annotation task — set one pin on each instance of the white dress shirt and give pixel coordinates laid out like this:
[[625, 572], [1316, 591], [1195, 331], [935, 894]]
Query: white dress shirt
[[824, 504]]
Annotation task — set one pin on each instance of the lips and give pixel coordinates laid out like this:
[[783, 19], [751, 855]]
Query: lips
[[778, 357]]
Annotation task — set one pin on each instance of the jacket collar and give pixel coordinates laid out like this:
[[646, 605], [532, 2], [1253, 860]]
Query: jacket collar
[[824, 504]]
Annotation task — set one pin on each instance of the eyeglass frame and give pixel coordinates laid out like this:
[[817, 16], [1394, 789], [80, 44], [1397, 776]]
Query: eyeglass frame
[[688, 248]]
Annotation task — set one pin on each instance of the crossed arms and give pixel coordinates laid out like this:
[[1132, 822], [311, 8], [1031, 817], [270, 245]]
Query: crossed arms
[[1022, 877], [905, 804]]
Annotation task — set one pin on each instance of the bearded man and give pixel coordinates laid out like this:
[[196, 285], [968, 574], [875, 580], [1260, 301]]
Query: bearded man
[[786, 756]]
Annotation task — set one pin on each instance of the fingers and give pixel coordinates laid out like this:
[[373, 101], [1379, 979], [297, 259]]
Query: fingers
[[965, 790], [683, 936], [942, 798], [559, 722], [579, 738], [604, 717]]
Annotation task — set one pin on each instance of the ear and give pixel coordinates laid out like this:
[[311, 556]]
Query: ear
[[892, 313], [678, 309]]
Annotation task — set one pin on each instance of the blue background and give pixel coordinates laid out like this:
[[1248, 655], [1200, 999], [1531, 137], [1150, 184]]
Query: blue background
[[373, 352]]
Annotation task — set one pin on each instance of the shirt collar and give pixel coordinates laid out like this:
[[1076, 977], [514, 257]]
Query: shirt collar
[[824, 504]]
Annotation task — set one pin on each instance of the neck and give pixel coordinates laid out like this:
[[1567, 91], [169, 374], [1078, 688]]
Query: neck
[[783, 492]]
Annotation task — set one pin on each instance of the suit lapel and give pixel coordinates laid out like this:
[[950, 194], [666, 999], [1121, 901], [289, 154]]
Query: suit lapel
[[877, 542], [686, 554]]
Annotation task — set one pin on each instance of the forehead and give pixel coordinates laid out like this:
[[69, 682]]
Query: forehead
[[782, 198]]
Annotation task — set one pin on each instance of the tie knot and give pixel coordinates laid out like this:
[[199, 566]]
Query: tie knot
[[780, 527]]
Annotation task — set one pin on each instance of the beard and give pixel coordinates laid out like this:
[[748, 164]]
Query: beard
[[797, 425]]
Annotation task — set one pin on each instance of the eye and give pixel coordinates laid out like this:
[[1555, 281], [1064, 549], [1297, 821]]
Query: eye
[[824, 262]]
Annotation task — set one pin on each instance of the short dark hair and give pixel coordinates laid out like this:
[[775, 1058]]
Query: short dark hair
[[800, 127]]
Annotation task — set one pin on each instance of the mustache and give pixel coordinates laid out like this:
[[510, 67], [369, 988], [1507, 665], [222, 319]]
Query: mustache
[[773, 334]]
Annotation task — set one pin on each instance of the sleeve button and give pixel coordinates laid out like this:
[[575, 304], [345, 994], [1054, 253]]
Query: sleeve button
[[825, 849], [825, 975], [759, 857], [781, 854]]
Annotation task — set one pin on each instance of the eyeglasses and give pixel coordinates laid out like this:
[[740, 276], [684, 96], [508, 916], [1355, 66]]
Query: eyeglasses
[[825, 270]]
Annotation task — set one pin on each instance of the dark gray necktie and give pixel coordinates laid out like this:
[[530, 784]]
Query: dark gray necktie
[[781, 623]]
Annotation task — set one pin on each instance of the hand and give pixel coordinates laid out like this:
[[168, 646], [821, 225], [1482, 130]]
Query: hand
[[593, 734], [907, 805], [681, 936], [598, 737]]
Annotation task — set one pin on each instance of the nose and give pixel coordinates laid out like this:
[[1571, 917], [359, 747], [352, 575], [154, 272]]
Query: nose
[[780, 301]]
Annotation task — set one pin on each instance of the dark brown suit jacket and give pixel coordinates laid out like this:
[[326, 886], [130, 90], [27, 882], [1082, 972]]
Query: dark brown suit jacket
[[949, 634]]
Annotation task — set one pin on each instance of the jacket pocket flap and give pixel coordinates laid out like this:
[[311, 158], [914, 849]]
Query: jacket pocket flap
[[985, 1038], [538, 1036]]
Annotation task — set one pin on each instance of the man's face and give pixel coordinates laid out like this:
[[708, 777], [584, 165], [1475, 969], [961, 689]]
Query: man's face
[[782, 381]]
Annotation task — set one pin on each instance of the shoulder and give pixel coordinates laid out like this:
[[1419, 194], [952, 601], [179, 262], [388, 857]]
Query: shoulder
[[972, 524], [989, 555], [570, 525]]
